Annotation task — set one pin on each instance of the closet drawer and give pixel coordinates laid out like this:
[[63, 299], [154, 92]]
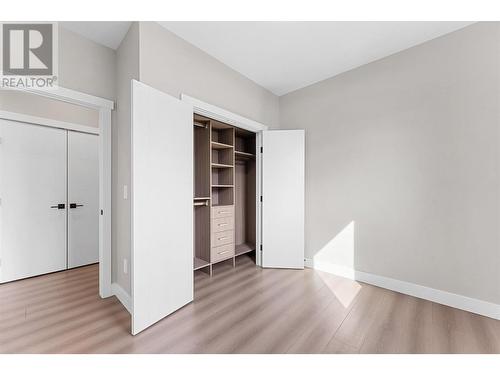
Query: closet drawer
[[222, 252], [222, 223], [222, 211], [222, 238]]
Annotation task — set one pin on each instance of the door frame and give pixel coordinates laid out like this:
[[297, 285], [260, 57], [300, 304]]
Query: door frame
[[104, 108], [209, 110]]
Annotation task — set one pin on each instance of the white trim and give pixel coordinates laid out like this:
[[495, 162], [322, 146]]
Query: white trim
[[14, 116], [223, 115], [206, 109], [104, 106], [122, 296], [439, 296], [71, 96]]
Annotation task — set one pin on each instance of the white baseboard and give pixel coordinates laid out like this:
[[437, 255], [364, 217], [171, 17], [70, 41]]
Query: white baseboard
[[458, 301], [122, 296]]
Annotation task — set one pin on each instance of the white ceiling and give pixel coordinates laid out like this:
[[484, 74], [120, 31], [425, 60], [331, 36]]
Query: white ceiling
[[108, 33], [286, 56]]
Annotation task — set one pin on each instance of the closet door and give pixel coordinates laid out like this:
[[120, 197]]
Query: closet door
[[162, 211], [33, 200], [283, 199], [83, 199]]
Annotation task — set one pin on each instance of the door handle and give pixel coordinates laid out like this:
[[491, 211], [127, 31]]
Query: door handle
[[75, 205], [59, 206]]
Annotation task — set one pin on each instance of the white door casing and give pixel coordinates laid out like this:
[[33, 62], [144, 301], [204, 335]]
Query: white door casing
[[83, 191], [283, 198], [162, 211], [32, 179]]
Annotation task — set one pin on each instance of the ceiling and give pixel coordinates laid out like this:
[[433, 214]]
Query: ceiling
[[286, 56]]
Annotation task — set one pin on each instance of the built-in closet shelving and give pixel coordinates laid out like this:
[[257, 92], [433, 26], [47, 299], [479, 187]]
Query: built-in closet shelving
[[224, 192]]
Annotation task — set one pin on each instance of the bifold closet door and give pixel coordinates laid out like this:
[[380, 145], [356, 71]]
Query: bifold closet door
[[33, 200], [162, 205], [83, 199], [283, 199]]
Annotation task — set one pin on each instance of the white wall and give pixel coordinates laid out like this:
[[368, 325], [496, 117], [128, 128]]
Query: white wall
[[402, 164], [127, 68]]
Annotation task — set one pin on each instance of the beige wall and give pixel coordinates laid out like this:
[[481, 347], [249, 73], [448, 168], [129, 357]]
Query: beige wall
[[83, 66], [34, 105], [402, 164], [86, 66], [127, 68]]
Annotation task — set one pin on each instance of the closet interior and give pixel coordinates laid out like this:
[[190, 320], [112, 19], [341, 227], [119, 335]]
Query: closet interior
[[224, 192]]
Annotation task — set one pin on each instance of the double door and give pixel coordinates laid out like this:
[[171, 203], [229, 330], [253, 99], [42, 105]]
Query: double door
[[162, 203], [49, 197]]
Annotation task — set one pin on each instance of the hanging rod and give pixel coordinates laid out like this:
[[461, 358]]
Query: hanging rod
[[200, 125], [205, 203]]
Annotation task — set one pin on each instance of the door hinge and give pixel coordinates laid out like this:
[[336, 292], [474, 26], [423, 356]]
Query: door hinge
[[102, 212], [261, 150], [261, 198], [261, 247]]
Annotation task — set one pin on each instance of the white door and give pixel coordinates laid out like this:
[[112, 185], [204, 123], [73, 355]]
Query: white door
[[162, 205], [33, 200], [83, 199], [283, 199]]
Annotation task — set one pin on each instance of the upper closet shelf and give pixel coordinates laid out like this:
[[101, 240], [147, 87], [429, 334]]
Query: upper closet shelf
[[220, 146]]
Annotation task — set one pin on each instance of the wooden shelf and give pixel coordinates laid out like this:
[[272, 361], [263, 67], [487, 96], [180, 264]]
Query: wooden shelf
[[201, 198], [222, 186], [220, 146], [218, 165], [243, 248], [199, 263]]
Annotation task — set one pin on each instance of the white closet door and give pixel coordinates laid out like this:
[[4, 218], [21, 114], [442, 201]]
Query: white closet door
[[162, 205], [32, 184], [83, 199], [283, 199]]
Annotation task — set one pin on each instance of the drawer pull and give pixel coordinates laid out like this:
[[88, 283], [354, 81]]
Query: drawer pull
[[222, 238], [222, 225], [224, 212], [223, 252]]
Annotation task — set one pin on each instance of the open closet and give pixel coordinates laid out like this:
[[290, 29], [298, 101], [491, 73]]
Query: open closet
[[224, 192], [226, 200]]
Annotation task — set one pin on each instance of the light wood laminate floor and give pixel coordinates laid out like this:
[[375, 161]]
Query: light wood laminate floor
[[239, 310]]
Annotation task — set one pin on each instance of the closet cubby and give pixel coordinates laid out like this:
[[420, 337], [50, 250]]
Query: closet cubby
[[222, 134], [222, 176], [244, 143], [222, 195]]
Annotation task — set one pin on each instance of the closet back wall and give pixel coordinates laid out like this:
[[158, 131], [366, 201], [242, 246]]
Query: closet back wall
[[402, 164]]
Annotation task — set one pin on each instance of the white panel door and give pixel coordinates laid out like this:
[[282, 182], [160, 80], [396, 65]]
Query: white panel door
[[283, 199], [83, 199], [32, 185], [162, 205]]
